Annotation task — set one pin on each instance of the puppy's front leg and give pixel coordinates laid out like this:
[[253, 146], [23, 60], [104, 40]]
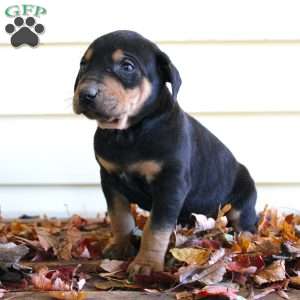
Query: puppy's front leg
[[122, 224], [157, 231], [152, 251]]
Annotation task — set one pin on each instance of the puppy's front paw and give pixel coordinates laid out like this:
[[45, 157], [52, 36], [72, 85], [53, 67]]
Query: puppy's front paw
[[145, 265], [119, 250]]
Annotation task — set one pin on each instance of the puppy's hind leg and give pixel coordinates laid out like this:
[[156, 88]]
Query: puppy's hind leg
[[243, 216]]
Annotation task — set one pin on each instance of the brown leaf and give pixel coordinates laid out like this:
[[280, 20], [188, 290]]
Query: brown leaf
[[72, 295], [111, 265], [108, 285], [295, 282], [185, 295], [272, 273], [116, 284], [46, 239], [69, 239], [191, 255]]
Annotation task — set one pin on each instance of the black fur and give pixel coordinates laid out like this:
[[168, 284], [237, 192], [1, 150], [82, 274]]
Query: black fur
[[199, 173]]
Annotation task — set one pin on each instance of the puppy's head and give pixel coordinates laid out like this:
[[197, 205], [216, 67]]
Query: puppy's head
[[120, 77]]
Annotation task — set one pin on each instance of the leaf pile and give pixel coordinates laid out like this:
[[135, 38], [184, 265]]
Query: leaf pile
[[206, 260]]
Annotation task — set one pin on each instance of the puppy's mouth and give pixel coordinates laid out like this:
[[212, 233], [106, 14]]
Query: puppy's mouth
[[110, 120], [107, 122]]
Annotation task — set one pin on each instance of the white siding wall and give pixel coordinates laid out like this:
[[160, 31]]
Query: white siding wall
[[240, 65]]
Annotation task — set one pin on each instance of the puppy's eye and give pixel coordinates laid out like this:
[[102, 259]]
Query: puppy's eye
[[127, 66]]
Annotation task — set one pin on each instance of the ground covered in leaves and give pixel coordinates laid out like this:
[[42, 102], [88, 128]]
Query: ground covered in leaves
[[206, 260]]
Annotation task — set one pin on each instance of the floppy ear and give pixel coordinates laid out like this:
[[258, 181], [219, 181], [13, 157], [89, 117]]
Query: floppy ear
[[169, 72]]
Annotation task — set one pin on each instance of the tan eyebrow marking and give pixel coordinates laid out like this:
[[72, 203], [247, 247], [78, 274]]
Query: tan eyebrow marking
[[117, 55], [88, 55]]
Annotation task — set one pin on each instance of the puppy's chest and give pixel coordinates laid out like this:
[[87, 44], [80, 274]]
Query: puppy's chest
[[148, 170]]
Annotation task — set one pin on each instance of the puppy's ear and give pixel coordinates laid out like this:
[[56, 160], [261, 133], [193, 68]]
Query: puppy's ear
[[169, 72]]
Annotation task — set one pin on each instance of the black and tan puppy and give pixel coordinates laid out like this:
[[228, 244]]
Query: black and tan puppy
[[150, 151]]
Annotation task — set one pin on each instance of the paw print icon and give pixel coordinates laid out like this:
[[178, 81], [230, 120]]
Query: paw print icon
[[24, 33]]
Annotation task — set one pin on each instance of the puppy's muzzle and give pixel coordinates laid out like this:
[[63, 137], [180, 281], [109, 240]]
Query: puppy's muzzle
[[87, 94]]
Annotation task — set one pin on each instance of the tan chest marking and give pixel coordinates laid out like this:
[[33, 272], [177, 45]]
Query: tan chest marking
[[148, 169], [109, 166]]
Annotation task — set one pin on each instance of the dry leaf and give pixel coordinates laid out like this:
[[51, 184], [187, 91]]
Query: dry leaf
[[111, 265], [69, 239], [72, 295], [12, 253], [295, 282], [46, 239], [288, 229], [218, 290], [108, 285], [216, 256], [272, 273], [191, 255], [40, 281], [202, 223], [211, 275], [185, 295]]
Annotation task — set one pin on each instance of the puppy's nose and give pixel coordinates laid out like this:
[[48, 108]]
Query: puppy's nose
[[88, 94]]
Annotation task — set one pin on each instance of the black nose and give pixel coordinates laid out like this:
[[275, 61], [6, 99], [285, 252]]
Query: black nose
[[88, 94]]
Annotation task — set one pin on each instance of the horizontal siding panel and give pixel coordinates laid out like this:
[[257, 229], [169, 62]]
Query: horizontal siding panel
[[59, 149], [167, 20], [216, 78], [63, 201]]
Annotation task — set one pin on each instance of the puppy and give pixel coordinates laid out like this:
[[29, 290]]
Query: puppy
[[150, 151]]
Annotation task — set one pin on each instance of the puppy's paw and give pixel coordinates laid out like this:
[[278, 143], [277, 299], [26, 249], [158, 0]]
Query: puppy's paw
[[145, 265], [119, 250]]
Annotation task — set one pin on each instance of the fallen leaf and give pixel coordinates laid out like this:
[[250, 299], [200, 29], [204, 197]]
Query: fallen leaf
[[185, 295], [46, 239], [191, 255], [12, 253], [116, 284], [216, 256], [272, 273], [211, 275], [68, 240], [72, 295], [295, 282], [108, 285], [111, 265], [218, 290], [40, 281], [202, 223], [237, 267]]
